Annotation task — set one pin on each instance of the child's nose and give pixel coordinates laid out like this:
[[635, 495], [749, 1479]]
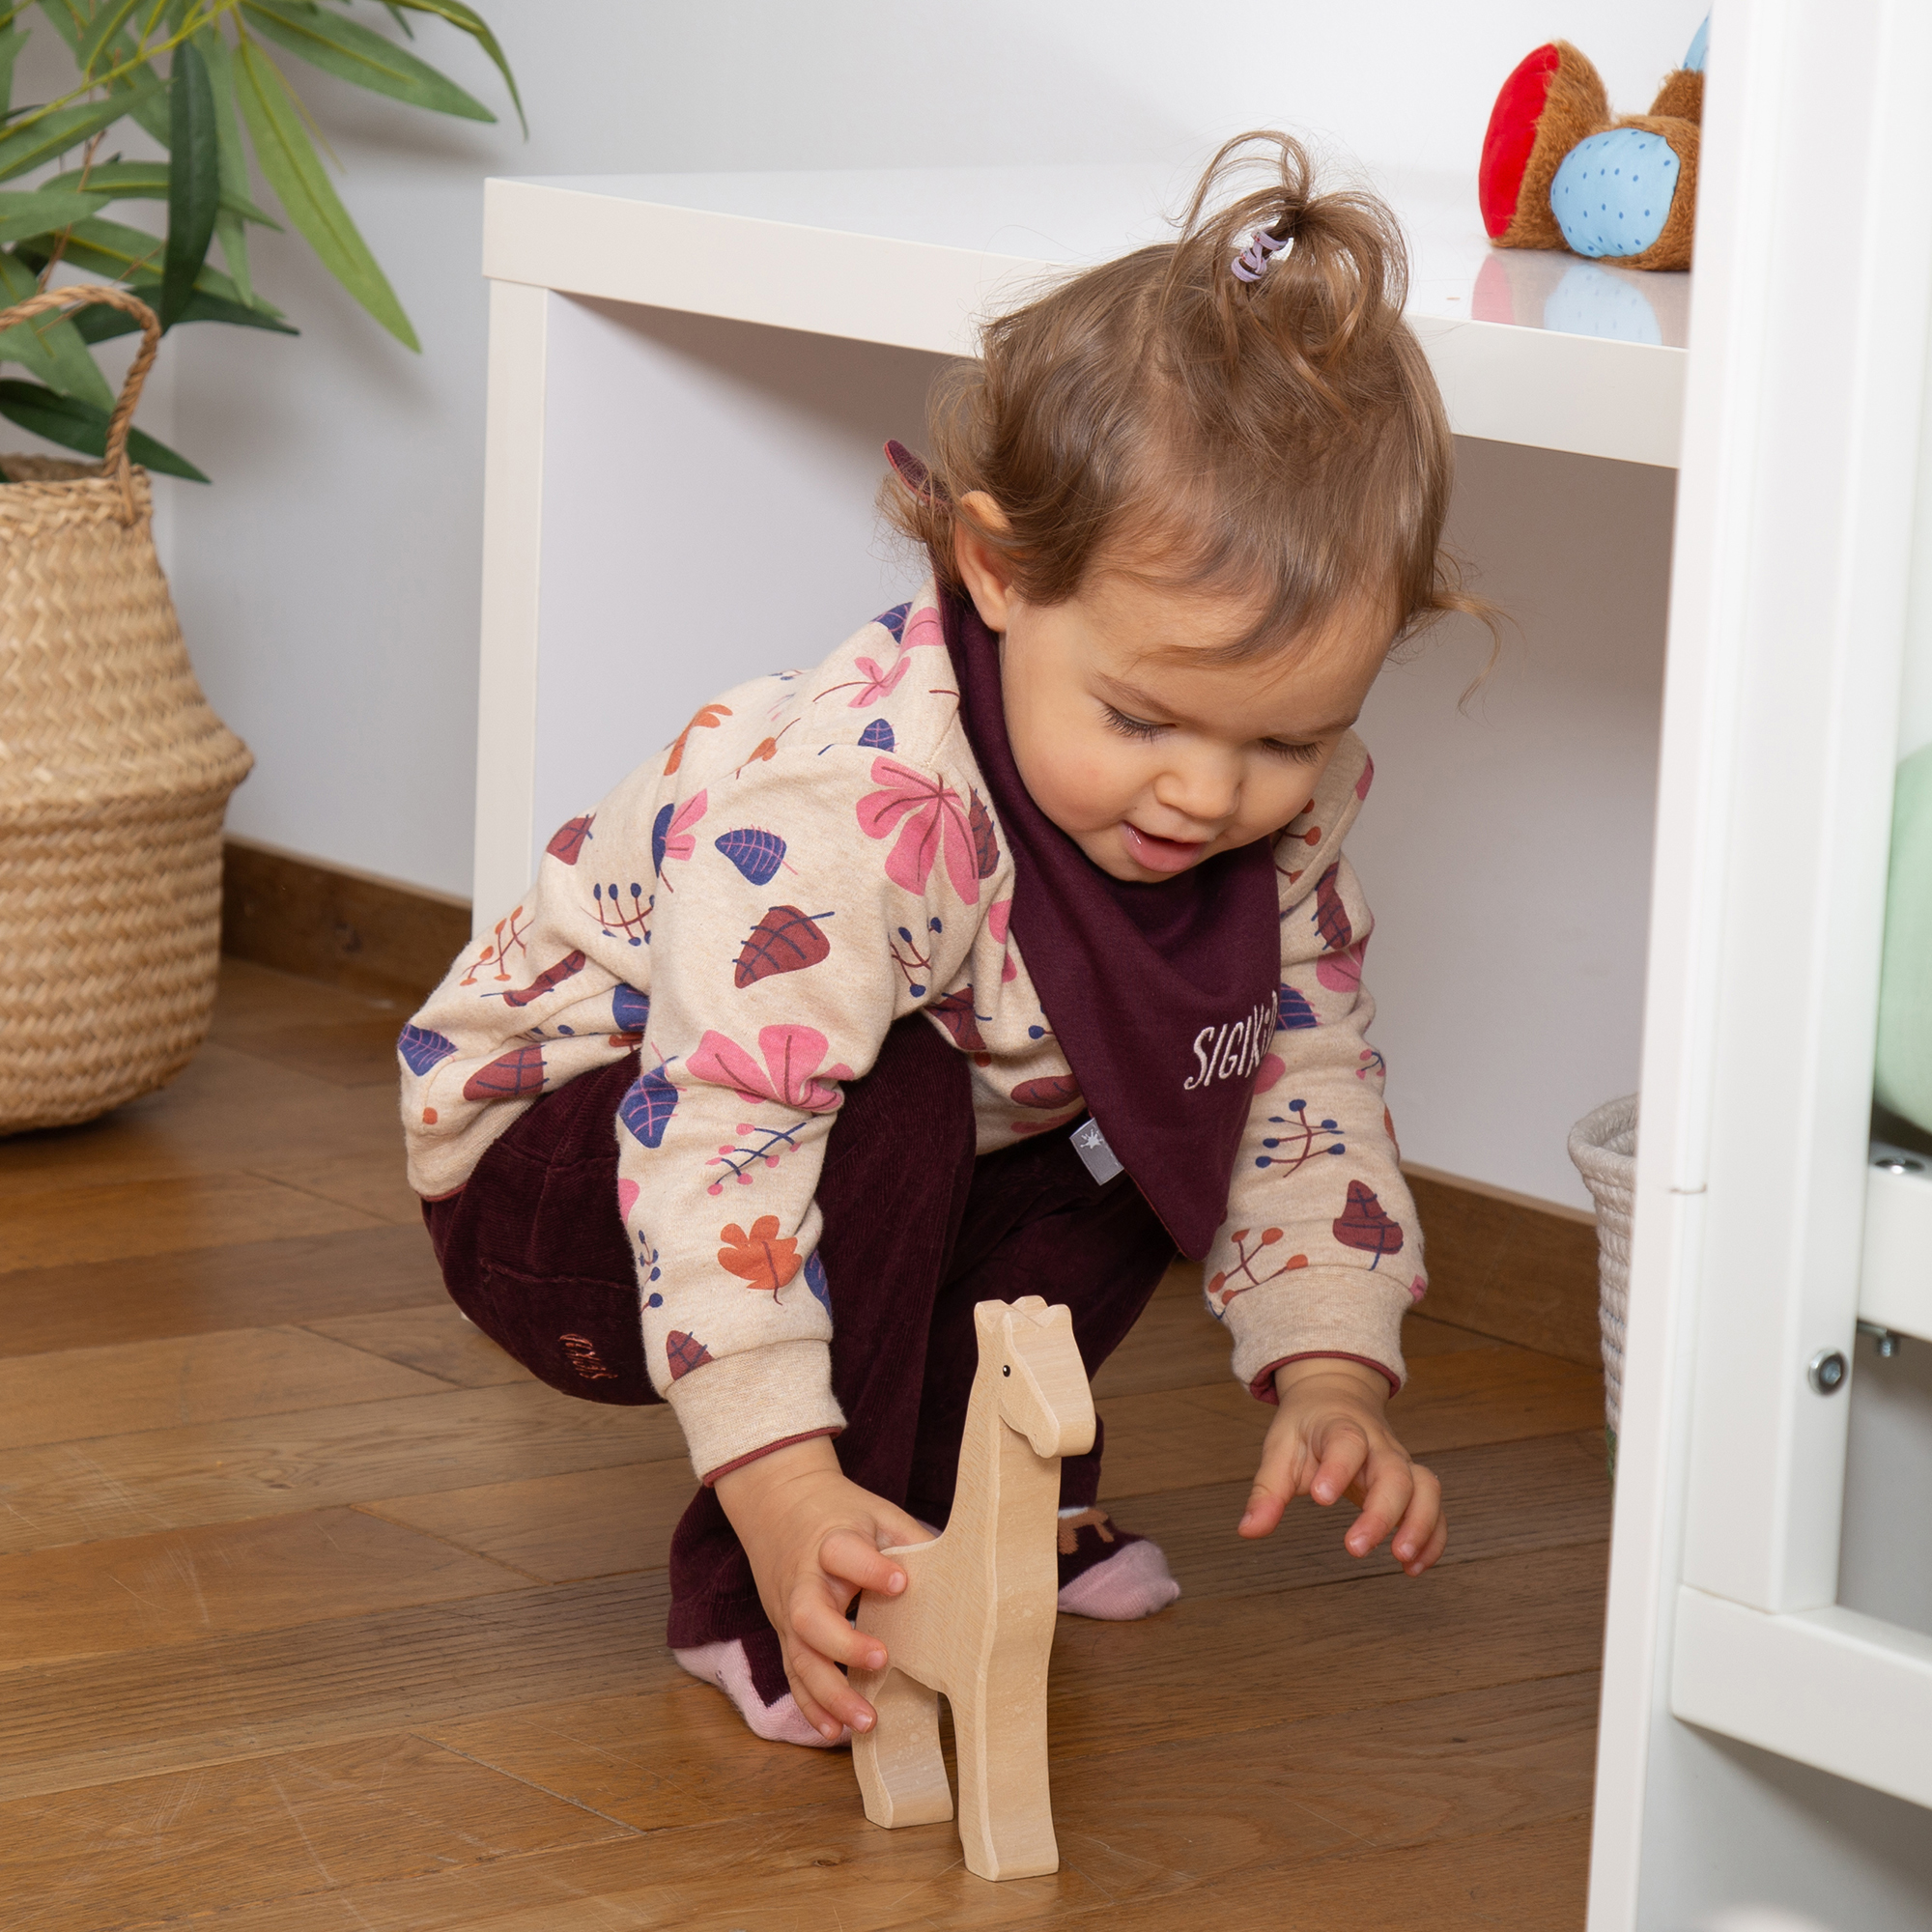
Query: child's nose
[[1207, 791]]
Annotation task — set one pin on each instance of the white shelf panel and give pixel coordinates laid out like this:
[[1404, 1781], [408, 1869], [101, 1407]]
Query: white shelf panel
[[1895, 1275], [1539, 348]]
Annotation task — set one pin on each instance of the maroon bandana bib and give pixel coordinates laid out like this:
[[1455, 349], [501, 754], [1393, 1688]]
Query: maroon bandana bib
[[1162, 996]]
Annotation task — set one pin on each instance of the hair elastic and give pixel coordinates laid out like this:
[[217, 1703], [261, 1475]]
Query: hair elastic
[[1253, 261]]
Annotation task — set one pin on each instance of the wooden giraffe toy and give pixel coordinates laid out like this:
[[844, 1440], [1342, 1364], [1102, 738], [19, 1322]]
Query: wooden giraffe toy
[[975, 1620]]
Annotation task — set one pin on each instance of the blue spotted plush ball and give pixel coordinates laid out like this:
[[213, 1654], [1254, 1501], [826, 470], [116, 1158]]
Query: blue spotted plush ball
[[1613, 194]]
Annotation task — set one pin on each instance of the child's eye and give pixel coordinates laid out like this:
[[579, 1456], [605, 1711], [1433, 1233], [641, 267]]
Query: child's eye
[[1132, 727], [1301, 754]]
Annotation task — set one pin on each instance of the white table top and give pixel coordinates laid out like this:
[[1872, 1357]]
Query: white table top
[[1529, 346]]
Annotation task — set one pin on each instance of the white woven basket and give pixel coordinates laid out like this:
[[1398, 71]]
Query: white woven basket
[[1604, 1147]]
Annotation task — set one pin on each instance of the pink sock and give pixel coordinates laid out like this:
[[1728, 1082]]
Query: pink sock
[[1108, 1573], [727, 1665]]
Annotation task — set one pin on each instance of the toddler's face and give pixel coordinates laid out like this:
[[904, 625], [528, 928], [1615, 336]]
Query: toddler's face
[[1147, 759]]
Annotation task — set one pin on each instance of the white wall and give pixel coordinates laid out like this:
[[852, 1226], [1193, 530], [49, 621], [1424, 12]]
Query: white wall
[[328, 580]]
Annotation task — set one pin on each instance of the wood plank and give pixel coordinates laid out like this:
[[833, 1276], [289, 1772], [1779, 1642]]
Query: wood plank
[[374, 1184], [1179, 1438], [179, 1585], [233, 1471], [305, 1827], [131, 1220], [195, 1290], [1502, 1500], [102, 1720], [255, 998], [588, 1523], [81, 1393], [436, 1339], [1505, 1269], [1177, 1344], [349, 1053]]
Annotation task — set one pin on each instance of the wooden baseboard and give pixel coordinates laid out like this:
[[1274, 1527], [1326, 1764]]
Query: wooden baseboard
[[1506, 1267], [333, 924]]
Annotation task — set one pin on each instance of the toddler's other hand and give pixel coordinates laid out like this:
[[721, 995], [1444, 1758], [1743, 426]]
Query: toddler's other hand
[[1329, 1439], [814, 1539]]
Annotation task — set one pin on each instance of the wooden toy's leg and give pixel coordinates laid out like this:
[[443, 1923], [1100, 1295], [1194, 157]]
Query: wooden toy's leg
[[1006, 1810], [901, 1772]]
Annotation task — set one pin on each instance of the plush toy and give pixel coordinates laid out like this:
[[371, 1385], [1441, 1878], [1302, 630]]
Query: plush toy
[[1560, 171]]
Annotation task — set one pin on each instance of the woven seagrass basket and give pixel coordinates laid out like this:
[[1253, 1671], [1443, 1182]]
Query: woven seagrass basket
[[113, 775]]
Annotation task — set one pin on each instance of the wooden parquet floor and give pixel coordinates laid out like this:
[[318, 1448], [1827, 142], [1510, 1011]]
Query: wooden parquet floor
[[316, 1612]]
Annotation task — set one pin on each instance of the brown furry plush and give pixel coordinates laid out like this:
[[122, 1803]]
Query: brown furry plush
[[1672, 247], [1680, 98], [1575, 107]]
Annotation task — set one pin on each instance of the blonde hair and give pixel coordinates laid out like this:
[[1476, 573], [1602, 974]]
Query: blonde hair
[[1279, 437]]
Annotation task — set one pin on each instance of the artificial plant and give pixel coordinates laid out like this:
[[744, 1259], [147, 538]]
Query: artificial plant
[[204, 80]]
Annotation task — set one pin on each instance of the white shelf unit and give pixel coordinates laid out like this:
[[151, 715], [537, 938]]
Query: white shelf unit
[[1541, 350]]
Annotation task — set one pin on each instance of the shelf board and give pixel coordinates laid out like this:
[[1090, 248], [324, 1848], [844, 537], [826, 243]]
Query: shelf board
[[1542, 349]]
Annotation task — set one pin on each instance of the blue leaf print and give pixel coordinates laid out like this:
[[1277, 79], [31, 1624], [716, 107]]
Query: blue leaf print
[[756, 854], [894, 621], [421, 1048], [660, 831], [630, 1008], [814, 1279], [646, 1109], [1293, 1010], [877, 736]]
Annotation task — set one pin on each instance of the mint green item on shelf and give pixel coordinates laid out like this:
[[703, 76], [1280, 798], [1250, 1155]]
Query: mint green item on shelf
[[1903, 1082]]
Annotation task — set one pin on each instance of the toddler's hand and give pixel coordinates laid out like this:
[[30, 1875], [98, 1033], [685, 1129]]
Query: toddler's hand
[[1329, 1439], [814, 1539]]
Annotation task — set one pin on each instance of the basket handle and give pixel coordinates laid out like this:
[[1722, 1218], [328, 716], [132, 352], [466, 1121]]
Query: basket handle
[[81, 294]]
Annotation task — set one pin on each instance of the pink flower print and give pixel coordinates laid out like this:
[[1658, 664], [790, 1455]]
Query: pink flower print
[[1367, 779], [932, 825], [627, 1199], [671, 830], [923, 631], [874, 685], [790, 1075], [1417, 1288], [1268, 1072], [999, 919], [1341, 972]]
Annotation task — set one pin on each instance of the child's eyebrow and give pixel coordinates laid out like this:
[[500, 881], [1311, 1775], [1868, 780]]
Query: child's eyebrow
[[1145, 703]]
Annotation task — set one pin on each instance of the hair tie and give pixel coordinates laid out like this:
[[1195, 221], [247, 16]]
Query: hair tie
[[1254, 259]]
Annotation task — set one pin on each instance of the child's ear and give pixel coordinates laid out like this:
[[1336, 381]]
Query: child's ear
[[984, 569]]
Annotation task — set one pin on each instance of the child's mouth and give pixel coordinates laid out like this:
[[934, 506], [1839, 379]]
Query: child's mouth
[[1161, 855]]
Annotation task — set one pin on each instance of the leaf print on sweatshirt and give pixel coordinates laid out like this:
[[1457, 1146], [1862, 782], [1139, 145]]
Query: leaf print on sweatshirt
[[1058, 1089], [1331, 916], [756, 854], [708, 719], [985, 840], [629, 1010], [877, 736], [877, 684], [923, 633], [957, 1014], [762, 1259], [421, 1049], [567, 840], [785, 940], [1224, 1286], [893, 621], [1365, 1224], [683, 1352], [1292, 1012], [790, 1075], [507, 1077], [548, 981], [932, 829], [645, 1110], [766, 1148], [1341, 972], [670, 832]]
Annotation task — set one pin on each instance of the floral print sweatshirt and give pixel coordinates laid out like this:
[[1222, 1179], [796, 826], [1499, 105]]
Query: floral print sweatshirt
[[811, 860]]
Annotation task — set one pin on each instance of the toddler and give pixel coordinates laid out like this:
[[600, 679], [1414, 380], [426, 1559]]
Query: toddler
[[1007, 953]]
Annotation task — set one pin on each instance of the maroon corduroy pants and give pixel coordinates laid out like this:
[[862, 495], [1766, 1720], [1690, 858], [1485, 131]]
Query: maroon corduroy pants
[[917, 1231]]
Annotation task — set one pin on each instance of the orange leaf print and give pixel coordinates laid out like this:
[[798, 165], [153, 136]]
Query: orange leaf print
[[709, 718], [760, 1258]]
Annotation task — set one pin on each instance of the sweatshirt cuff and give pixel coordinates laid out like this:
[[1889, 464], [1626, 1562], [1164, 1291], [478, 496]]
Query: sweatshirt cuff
[[739, 1406], [1332, 1311]]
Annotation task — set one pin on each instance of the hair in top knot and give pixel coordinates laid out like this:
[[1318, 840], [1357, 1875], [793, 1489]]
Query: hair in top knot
[[1240, 409]]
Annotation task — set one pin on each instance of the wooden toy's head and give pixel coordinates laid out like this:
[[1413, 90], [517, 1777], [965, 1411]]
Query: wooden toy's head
[[1027, 1352]]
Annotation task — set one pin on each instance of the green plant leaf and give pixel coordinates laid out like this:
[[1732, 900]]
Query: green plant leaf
[[12, 40], [144, 96], [229, 223], [38, 139], [102, 32], [148, 181], [294, 170], [130, 255], [353, 53], [50, 345], [205, 305], [194, 180], [468, 20], [39, 210], [78, 425]]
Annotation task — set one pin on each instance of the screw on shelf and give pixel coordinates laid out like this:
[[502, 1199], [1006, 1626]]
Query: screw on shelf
[[1826, 1372], [1887, 1340], [1899, 1163]]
